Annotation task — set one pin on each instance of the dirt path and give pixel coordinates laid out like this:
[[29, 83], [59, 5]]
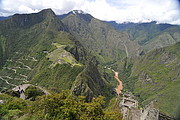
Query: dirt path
[[7, 81]]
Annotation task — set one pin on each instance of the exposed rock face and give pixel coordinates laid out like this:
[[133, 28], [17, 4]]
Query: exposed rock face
[[153, 114], [99, 37], [167, 58], [158, 75], [129, 109], [166, 117], [79, 52], [89, 82], [145, 78]]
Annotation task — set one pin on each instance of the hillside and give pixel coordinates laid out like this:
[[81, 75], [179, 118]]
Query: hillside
[[98, 37], [37, 48], [150, 35], [155, 76], [77, 52]]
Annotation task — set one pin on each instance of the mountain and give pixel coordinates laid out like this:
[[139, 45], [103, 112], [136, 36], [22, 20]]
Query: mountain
[[155, 76], [38, 48], [150, 35], [76, 52], [98, 37]]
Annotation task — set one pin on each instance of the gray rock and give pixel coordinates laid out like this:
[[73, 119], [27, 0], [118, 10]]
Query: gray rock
[[1, 101]]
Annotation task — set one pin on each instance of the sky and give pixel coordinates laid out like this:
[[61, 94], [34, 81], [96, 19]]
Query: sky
[[162, 11]]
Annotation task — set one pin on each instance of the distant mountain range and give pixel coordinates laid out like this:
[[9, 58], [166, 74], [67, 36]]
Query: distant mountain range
[[150, 35], [71, 51], [3, 18]]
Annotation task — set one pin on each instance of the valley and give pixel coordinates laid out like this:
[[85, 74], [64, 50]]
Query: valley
[[72, 57]]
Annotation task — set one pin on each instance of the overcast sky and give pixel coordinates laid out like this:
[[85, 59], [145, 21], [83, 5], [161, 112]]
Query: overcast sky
[[163, 11]]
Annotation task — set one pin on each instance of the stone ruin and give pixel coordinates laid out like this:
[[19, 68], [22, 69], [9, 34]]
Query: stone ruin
[[130, 110]]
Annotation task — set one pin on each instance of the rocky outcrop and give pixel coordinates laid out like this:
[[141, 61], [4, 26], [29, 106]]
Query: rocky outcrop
[[79, 52], [22, 88], [89, 82], [144, 78], [129, 108], [167, 58], [153, 114]]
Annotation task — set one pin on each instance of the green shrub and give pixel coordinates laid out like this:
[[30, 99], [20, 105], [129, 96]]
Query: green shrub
[[16, 104], [3, 111], [32, 92], [63, 106]]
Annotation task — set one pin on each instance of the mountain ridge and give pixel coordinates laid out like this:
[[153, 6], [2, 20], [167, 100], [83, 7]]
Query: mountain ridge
[[73, 51], [150, 35], [42, 41], [89, 30]]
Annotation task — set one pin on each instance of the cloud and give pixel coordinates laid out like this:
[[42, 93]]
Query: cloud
[[163, 11]]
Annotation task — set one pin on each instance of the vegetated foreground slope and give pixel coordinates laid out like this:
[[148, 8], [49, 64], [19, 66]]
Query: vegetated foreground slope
[[158, 78]]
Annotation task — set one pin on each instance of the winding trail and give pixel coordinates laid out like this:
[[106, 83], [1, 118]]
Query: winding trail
[[10, 69], [15, 68], [27, 67], [7, 81], [15, 71], [33, 59]]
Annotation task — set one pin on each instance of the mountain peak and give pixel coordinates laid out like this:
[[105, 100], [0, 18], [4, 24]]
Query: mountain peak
[[78, 12], [47, 12], [27, 20]]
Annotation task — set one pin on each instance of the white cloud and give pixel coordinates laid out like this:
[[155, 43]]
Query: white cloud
[[163, 11]]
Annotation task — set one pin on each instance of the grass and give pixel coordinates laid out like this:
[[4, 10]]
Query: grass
[[164, 84], [60, 76]]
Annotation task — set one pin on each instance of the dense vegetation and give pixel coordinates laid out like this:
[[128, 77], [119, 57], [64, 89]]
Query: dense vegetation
[[62, 106]]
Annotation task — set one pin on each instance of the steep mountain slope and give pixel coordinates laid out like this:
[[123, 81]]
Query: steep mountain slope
[[15, 32], [156, 76], [150, 35], [98, 37], [37, 48], [65, 54], [24, 38]]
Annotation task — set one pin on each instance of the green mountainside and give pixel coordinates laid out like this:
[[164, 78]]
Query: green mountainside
[[159, 78], [76, 52], [150, 35], [154, 76], [98, 37], [37, 48]]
